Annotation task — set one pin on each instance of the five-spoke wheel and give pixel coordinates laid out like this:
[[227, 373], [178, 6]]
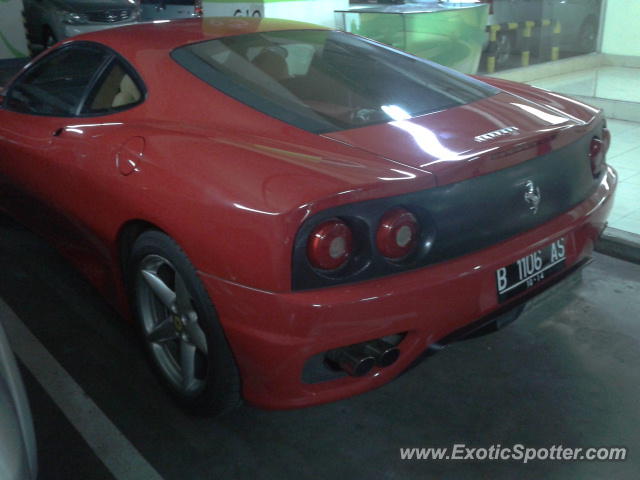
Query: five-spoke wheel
[[179, 326], [170, 324]]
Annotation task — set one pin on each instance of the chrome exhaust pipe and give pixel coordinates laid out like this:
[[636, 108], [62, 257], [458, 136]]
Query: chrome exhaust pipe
[[353, 360], [357, 360], [384, 352]]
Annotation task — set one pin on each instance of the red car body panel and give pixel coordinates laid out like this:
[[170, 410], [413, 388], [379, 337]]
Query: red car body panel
[[274, 335], [237, 220], [443, 142]]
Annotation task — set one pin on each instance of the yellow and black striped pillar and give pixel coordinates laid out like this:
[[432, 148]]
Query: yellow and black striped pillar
[[525, 57], [492, 49], [555, 41]]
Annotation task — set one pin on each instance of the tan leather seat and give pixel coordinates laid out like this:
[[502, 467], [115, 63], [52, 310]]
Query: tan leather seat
[[129, 92], [108, 90]]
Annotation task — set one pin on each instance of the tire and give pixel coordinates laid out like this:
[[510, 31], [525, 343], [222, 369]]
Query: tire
[[179, 327]]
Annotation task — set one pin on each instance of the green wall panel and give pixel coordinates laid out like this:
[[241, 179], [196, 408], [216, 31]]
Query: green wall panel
[[449, 36]]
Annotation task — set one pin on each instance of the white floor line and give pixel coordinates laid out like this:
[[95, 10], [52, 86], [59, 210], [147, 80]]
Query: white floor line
[[122, 459]]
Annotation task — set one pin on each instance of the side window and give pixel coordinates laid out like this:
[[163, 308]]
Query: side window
[[116, 89], [58, 83]]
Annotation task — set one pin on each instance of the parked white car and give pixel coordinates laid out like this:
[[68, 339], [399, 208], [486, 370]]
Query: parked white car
[[49, 21], [170, 9]]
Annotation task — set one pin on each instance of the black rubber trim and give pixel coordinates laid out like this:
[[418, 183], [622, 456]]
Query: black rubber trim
[[455, 219]]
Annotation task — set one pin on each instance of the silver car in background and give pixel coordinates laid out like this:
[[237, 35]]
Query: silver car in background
[[169, 9], [48, 21], [18, 459]]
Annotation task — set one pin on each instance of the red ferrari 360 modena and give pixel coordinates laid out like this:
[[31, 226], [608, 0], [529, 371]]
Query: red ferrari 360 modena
[[294, 214]]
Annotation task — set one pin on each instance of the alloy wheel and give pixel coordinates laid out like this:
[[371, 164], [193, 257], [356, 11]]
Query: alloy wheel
[[170, 325]]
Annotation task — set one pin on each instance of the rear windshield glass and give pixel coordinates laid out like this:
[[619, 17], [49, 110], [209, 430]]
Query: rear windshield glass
[[325, 81]]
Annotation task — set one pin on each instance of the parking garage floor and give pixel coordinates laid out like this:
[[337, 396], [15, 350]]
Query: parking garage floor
[[566, 373]]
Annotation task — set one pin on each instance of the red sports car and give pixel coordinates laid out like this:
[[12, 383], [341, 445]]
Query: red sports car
[[293, 214]]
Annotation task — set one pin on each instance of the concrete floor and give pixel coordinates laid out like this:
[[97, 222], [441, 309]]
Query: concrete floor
[[565, 373], [615, 83]]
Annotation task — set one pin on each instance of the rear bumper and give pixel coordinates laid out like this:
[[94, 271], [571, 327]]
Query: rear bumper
[[273, 335]]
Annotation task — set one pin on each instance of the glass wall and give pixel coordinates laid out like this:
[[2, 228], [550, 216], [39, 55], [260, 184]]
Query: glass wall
[[523, 32], [520, 32]]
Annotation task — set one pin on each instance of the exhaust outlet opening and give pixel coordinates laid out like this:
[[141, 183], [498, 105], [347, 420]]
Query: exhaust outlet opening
[[384, 352], [353, 360], [357, 360]]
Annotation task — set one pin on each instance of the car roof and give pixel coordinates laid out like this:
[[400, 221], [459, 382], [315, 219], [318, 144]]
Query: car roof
[[171, 34]]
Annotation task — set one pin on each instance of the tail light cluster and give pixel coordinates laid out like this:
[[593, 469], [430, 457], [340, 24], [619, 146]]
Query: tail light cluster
[[331, 244], [597, 151], [397, 234]]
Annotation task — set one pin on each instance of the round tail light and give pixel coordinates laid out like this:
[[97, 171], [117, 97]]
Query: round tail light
[[330, 245], [596, 155], [397, 235]]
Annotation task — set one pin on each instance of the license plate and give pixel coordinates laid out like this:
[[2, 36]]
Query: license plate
[[530, 270]]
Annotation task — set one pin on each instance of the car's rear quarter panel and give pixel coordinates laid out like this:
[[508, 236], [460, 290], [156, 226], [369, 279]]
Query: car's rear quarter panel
[[231, 184], [427, 303]]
